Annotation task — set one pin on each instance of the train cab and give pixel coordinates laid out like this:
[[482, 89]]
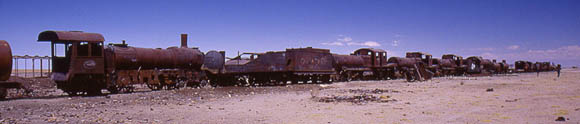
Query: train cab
[[457, 59], [78, 60], [372, 57], [425, 57]]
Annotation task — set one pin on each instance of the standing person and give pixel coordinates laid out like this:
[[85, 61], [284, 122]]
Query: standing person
[[538, 70], [558, 68]]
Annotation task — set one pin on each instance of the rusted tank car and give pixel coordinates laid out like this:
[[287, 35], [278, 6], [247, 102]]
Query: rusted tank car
[[6, 70], [277, 68], [5, 67], [5, 60], [349, 67], [81, 64], [364, 63], [451, 64]]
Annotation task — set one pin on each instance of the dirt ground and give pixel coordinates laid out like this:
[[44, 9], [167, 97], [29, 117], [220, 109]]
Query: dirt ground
[[514, 98]]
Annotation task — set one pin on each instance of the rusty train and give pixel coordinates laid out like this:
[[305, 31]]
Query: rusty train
[[6, 70], [82, 64]]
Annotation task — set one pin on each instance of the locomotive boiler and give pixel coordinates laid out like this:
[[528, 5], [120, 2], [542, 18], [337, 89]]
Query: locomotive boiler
[[5, 60], [157, 68], [6, 70], [5, 67]]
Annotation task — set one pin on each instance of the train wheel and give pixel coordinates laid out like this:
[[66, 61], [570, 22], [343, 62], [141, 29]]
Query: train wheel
[[214, 82], [3, 93], [94, 92], [411, 77], [72, 93], [114, 89], [294, 81], [155, 86], [325, 79], [315, 79], [242, 81], [181, 83], [203, 83]]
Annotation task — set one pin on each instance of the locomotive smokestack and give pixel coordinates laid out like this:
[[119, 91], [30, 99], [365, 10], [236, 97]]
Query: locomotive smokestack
[[184, 40]]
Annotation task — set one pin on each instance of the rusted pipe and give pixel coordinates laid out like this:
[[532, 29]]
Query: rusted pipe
[[183, 40]]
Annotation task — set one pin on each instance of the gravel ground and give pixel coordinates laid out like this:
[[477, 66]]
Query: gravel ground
[[517, 98]]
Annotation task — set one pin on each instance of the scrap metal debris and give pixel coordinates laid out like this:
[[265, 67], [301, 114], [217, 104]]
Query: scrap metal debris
[[375, 91], [357, 99], [489, 90], [560, 119]]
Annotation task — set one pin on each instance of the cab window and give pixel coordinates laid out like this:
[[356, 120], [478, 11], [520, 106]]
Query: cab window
[[60, 50], [83, 49], [96, 49]]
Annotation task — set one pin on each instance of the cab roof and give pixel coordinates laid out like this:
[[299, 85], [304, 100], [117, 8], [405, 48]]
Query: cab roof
[[371, 49], [69, 36]]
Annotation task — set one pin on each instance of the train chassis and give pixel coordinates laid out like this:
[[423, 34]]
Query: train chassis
[[268, 79]]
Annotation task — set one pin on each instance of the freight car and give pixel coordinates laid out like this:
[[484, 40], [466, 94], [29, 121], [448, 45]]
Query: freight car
[[299, 65], [363, 64], [82, 64]]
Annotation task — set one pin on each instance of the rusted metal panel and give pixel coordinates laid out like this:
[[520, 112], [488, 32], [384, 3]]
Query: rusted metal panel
[[404, 62], [5, 60], [213, 61], [292, 60], [58, 36], [309, 60]]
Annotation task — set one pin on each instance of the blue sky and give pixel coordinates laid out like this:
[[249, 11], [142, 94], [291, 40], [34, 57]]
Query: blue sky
[[546, 30]]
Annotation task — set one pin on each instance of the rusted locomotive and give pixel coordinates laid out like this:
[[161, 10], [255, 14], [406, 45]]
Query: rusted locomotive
[[523, 66], [416, 66], [451, 64], [478, 65], [363, 64], [527, 66], [82, 64], [300, 65]]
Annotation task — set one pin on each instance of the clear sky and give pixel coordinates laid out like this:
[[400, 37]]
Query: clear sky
[[545, 30]]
